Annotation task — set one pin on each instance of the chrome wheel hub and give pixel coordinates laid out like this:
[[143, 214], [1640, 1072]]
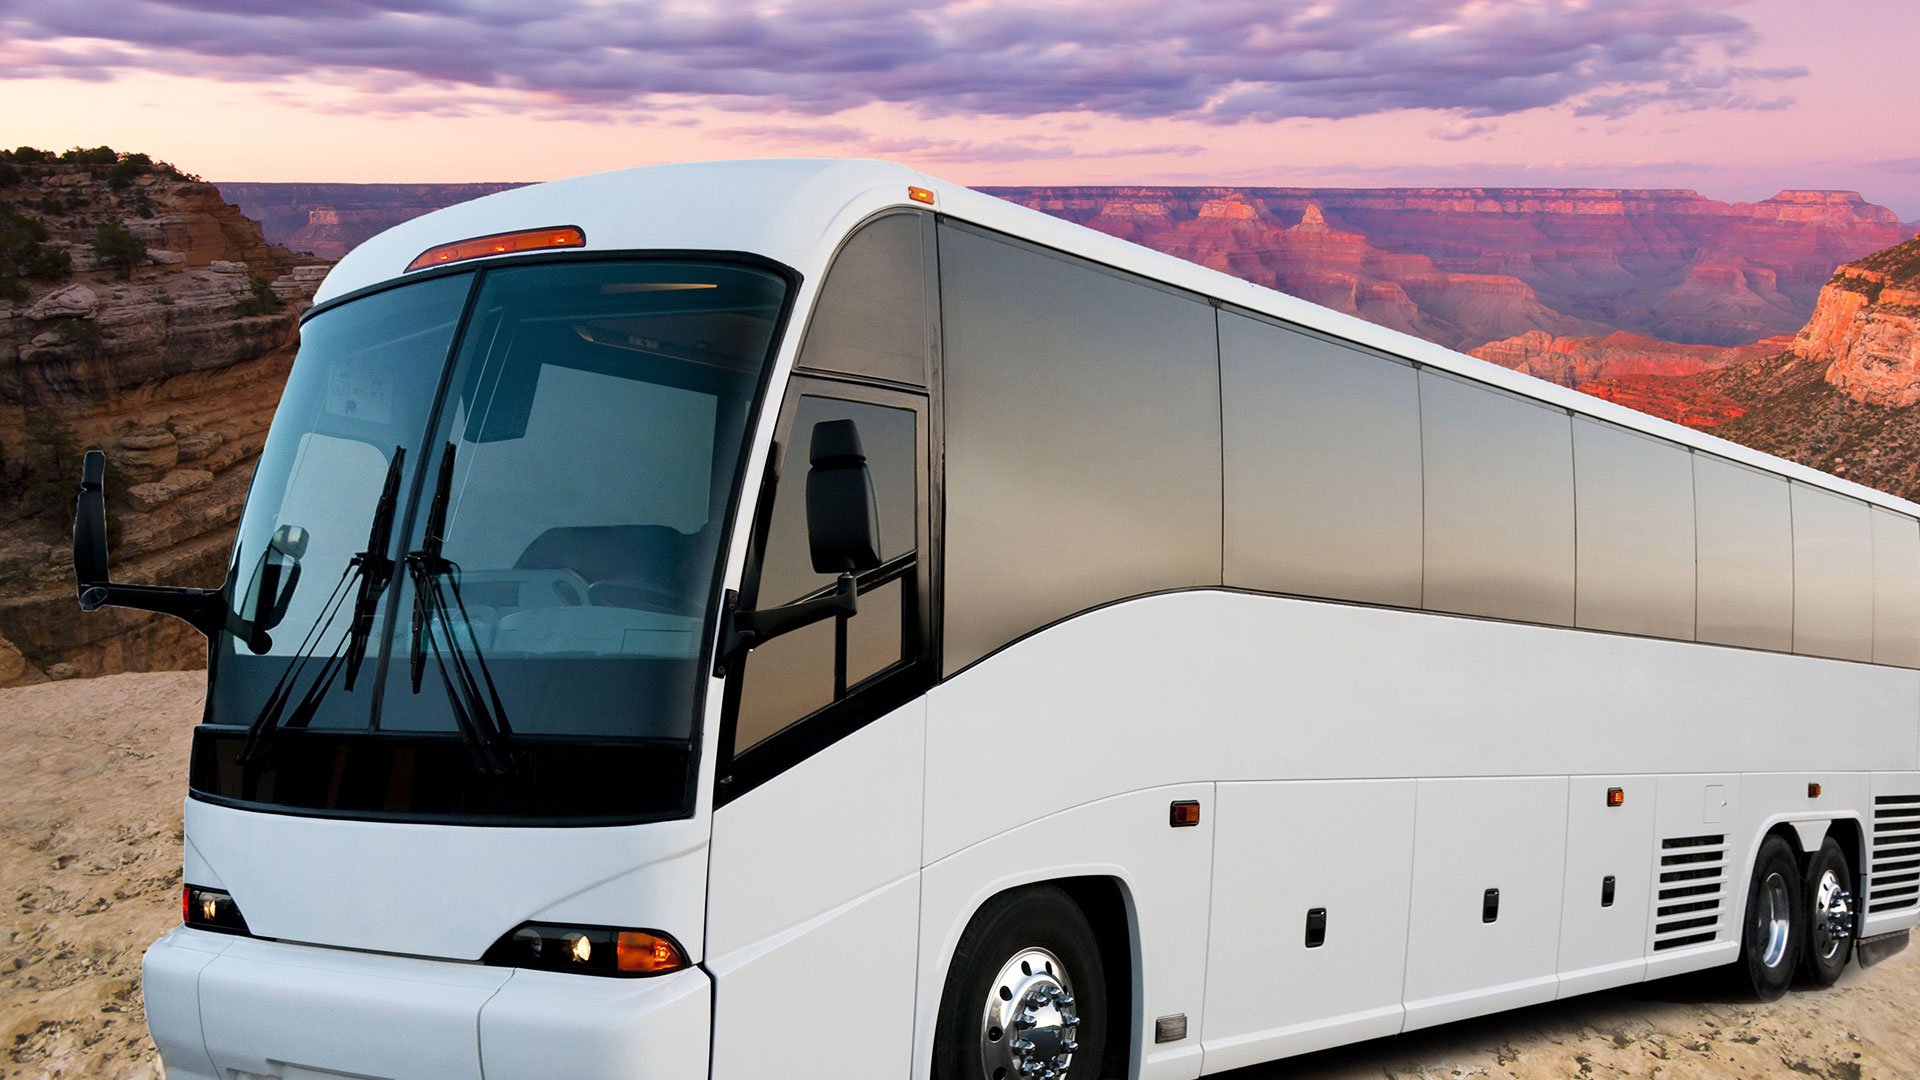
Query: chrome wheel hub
[[1832, 916], [1028, 1026], [1776, 920]]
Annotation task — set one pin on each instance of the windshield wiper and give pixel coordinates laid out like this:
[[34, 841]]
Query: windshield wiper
[[474, 701], [373, 570]]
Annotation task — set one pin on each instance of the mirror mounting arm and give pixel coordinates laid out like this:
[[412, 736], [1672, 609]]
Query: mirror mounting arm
[[202, 608], [741, 631]]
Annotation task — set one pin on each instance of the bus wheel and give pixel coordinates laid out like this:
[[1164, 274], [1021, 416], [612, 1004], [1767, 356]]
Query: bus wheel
[[1026, 997], [1770, 942], [1830, 907]]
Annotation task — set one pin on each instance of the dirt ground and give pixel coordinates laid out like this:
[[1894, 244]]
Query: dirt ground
[[92, 773]]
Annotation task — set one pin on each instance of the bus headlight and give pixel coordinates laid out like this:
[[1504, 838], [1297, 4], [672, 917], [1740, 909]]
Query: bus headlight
[[211, 909], [589, 950]]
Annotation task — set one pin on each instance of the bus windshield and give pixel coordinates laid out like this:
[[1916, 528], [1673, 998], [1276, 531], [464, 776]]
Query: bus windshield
[[476, 572]]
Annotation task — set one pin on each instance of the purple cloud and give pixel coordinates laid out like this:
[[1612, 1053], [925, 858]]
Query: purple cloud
[[1223, 61]]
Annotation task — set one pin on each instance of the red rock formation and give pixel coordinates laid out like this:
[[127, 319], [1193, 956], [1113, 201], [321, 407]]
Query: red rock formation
[[1866, 328], [1669, 398], [1579, 361]]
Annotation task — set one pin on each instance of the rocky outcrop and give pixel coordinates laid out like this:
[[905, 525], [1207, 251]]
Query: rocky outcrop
[[1866, 328], [1313, 259], [174, 370], [1578, 361], [1839, 396]]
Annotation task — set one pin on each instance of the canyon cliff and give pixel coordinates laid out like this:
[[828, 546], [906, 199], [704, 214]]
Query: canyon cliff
[[330, 220], [1667, 264], [1462, 266], [160, 329], [1839, 396]]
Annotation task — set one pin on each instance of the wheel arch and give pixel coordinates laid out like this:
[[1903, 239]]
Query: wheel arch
[[1105, 897]]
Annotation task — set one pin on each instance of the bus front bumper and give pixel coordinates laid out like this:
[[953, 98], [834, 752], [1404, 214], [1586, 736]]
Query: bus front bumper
[[233, 1008]]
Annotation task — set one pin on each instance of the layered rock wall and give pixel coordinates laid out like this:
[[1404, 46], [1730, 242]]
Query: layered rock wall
[[174, 370], [1866, 329]]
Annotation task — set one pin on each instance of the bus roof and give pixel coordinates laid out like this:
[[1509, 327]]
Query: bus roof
[[797, 211]]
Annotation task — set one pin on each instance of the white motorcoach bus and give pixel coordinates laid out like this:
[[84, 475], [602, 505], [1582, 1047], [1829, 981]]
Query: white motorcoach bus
[[805, 619]]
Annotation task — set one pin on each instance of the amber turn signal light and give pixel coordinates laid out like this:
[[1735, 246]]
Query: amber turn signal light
[[1813, 791], [1183, 813], [558, 236], [1616, 796], [641, 953]]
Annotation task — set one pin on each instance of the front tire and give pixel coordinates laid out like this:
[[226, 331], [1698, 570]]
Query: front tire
[[1027, 985], [1774, 931], [1828, 893]]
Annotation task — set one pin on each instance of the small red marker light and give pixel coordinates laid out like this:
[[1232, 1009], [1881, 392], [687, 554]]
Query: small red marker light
[[1616, 796], [1184, 813], [1813, 791], [920, 195]]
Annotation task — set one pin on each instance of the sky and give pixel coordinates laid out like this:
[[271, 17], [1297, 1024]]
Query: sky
[[1733, 98]]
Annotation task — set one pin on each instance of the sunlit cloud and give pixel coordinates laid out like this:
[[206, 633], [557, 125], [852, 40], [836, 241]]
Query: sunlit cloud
[[1232, 61]]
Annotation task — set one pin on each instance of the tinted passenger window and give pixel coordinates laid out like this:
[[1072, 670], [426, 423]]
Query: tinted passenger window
[[1832, 575], [1896, 589], [1745, 555], [875, 312], [1322, 466], [1499, 486], [1082, 440], [800, 673], [1635, 520]]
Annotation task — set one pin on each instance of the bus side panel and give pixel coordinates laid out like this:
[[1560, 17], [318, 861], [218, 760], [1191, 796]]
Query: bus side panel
[[1603, 917], [1207, 685], [814, 910], [1489, 860], [1308, 942], [1697, 859], [1164, 873], [1891, 889]]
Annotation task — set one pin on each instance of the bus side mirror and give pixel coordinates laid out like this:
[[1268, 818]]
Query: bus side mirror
[[843, 518], [202, 608], [843, 538], [274, 579]]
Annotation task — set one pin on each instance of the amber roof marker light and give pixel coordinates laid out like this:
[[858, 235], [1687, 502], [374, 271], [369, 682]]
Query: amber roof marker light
[[507, 243], [920, 195]]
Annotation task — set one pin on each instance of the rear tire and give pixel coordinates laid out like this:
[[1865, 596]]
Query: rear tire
[[1773, 933], [1829, 897], [1027, 957]]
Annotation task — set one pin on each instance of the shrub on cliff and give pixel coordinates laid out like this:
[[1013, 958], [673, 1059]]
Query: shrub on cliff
[[118, 248], [94, 155], [263, 300], [24, 256]]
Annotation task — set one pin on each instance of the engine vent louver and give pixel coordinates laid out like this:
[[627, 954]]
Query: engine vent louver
[[1894, 881], [1693, 879]]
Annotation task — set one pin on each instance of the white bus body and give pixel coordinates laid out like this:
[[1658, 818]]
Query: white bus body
[[1397, 620]]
